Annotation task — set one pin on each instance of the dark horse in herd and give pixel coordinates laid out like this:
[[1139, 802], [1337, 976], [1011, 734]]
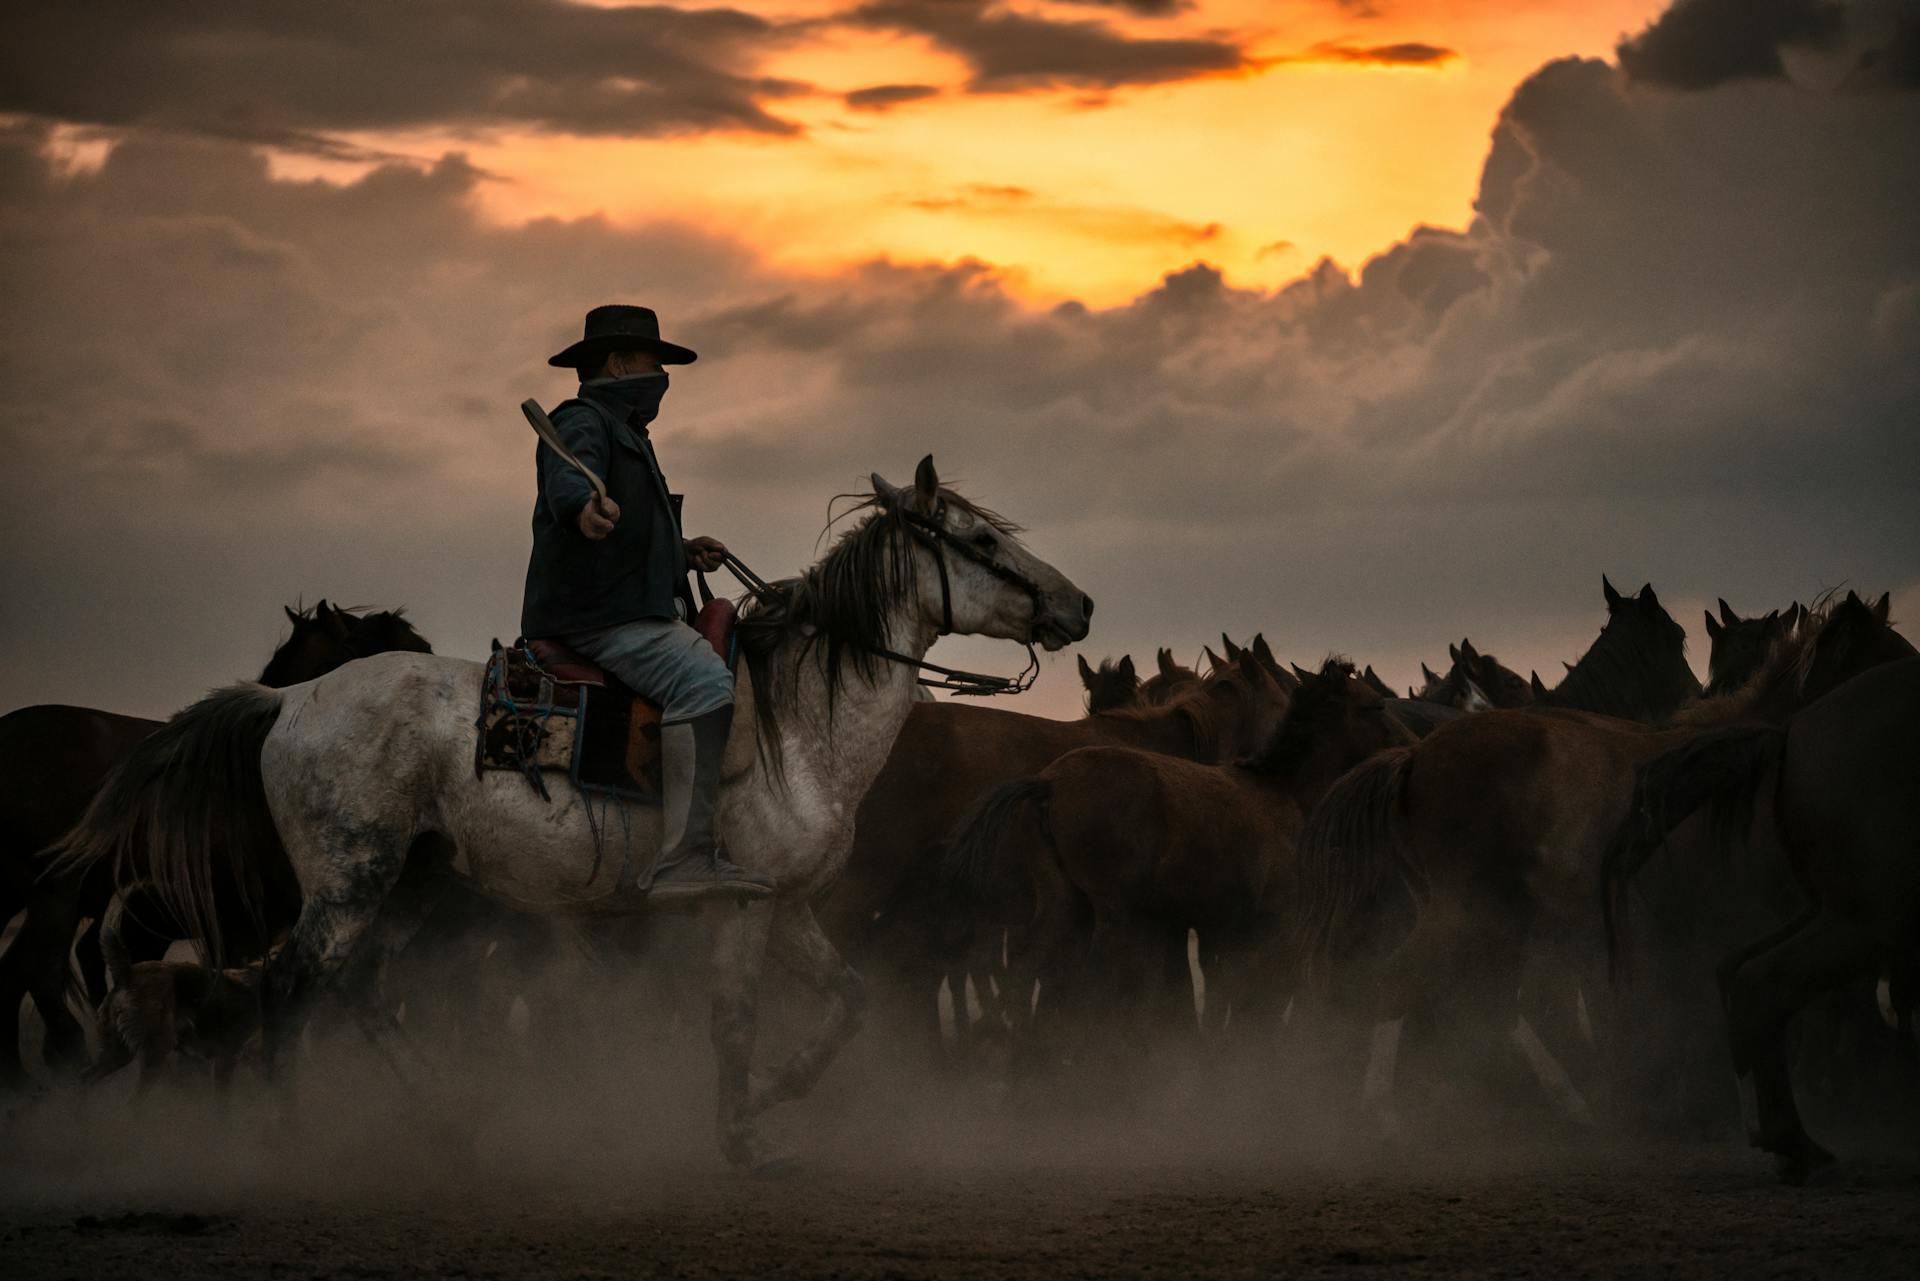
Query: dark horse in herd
[[1576, 885]]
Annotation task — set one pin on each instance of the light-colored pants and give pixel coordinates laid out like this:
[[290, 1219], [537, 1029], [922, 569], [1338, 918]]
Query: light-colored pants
[[664, 659]]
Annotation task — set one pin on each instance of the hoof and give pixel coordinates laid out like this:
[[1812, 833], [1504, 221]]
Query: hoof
[[772, 1166], [1798, 1168]]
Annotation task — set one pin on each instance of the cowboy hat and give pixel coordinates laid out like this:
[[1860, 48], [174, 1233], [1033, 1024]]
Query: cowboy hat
[[618, 327]]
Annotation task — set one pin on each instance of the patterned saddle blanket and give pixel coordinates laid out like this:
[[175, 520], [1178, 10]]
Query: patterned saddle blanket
[[546, 709]]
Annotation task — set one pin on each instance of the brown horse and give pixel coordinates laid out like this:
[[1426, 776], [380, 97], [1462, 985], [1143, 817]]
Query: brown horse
[[884, 912], [1635, 669], [1169, 679], [1450, 875], [1501, 685], [54, 758], [1838, 781], [1737, 646], [1123, 849], [1112, 685]]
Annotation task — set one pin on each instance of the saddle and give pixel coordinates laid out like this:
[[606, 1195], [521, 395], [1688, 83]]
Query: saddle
[[544, 708]]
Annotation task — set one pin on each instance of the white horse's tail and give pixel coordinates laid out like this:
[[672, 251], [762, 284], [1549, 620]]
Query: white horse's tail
[[186, 812]]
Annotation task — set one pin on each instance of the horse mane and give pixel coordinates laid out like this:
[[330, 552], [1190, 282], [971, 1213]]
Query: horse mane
[[1194, 704], [842, 602], [1783, 673], [1622, 669], [1316, 706]]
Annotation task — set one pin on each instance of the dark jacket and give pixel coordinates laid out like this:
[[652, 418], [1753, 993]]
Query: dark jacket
[[575, 583]]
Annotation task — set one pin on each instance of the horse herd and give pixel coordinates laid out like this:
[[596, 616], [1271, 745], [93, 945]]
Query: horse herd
[[1600, 886]]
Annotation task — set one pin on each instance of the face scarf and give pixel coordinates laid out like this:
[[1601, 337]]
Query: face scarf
[[636, 398]]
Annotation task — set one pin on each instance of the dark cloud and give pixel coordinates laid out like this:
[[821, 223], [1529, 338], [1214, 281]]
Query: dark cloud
[[887, 97], [282, 72], [1407, 53], [1676, 344], [1696, 44], [1145, 8], [1011, 52], [1100, 222]]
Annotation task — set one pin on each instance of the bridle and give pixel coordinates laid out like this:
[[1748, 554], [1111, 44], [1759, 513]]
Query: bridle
[[932, 532]]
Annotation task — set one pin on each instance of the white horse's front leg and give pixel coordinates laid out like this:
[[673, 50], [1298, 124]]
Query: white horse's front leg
[[739, 935], [800, 945]]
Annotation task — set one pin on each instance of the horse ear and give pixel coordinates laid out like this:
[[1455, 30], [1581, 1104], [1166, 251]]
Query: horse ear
[[292, 617], [338, 621], [1214, 660], [1126, 668], [1533, 683], [1429, 673], [1613, 597], [926, 483], [1167, 666], [1646, 597], [1713, 628], [1086, 673], [889, 495], [1453, 652], [1233, 650], [1727, 615], [1883, 608], [1301, 672], [1262, 651]]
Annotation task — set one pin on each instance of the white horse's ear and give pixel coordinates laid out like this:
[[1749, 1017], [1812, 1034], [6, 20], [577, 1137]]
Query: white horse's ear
[[887, 494], [926, 483]]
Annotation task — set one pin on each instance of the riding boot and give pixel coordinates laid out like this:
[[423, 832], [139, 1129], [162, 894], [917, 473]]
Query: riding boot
[[690, 865]]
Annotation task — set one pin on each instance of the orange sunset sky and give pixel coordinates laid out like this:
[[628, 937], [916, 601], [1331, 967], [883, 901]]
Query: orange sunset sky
[[1344, 126]]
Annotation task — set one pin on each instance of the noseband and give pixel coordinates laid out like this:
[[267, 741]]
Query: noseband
[[933, 533]]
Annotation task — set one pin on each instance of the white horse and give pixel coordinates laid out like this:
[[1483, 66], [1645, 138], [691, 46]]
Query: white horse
[[368, 776]]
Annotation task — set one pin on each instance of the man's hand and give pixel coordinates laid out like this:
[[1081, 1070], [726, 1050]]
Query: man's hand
[[705, 554], [598, 517]]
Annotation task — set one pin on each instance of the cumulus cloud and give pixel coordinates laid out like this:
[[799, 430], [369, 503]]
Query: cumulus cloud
[[1676, 343], [290, 74], [1009, 51], [1696, 44]]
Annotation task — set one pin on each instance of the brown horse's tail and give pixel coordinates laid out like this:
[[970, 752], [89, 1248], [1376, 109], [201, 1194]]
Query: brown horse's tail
[[1354, 864], [977, 881], [187, 812], [1725, 768]]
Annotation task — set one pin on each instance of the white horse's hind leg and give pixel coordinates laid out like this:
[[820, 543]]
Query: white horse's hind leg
[[344, 883], [799, 944], [739, 953]]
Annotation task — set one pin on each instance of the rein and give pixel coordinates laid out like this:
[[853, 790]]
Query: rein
[[933, 533]]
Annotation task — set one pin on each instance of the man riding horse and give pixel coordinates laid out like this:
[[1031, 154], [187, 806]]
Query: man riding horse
[[608, 578]]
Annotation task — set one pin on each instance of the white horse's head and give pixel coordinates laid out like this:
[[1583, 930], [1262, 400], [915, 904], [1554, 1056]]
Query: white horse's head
[[975, 577]]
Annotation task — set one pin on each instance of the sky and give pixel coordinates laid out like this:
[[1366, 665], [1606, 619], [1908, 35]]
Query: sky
[[1366, 325]]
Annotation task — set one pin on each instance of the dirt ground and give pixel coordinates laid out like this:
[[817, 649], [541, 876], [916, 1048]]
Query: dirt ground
[[969, 1194]]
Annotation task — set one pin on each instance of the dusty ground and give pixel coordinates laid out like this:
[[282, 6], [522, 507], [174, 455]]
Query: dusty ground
[[999, 1200]]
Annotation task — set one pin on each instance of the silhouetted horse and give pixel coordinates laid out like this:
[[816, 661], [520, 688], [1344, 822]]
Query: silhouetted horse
[[1636, 669], [885, 909], [1836, 786], [1124, 849], [1169, 679], [1739, 645], [1501, 685], [1112, 685], [1448, 876], [53, 758]]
